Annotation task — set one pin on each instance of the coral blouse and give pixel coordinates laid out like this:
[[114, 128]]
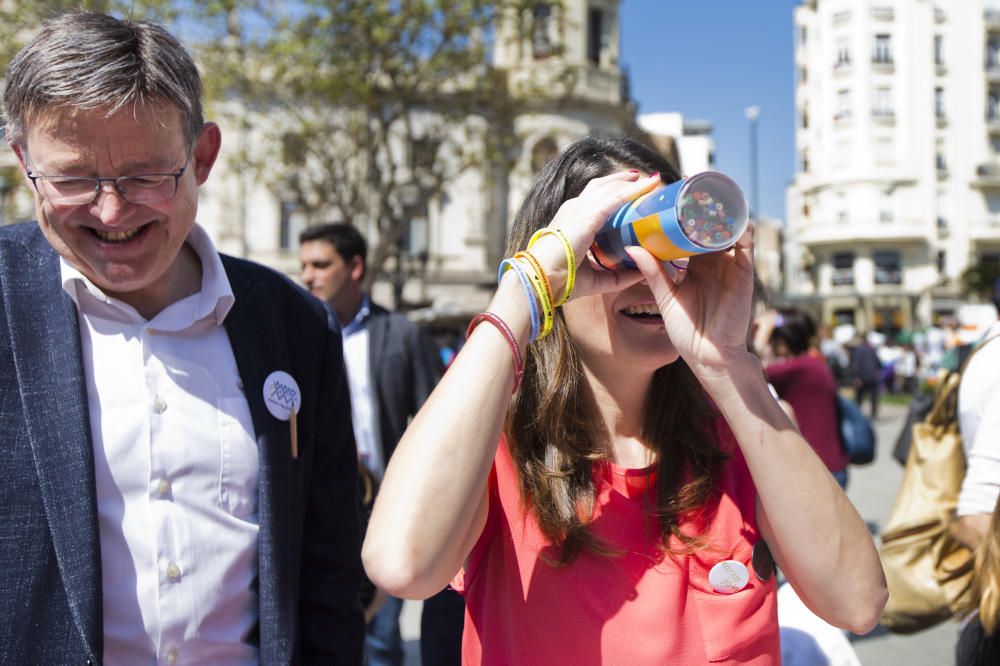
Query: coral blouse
[[645, 607]]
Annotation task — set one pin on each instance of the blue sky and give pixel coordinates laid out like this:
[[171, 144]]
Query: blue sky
[[710, 60]]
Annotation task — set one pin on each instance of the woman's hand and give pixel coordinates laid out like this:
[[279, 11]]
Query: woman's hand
[[580, 219], [706, 314]]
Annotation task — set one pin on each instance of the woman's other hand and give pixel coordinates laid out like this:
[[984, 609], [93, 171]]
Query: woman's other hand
[[707, 313]]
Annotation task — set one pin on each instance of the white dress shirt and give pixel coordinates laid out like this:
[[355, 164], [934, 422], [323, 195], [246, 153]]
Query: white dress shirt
[[979, 422], [175, 461], [359, 379]]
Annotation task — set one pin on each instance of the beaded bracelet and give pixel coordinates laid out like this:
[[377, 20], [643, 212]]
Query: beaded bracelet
[[508, 335], [543, 290], [570, 258]]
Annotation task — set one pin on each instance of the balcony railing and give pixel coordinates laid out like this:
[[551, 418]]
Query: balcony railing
[[884, 116], [842, 277], [888, 276], [883, 13]]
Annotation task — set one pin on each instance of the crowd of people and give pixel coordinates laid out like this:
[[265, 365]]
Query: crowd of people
[[203, 463]]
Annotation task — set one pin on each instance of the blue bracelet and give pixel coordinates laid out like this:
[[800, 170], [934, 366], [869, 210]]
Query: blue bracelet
[[529, 292]]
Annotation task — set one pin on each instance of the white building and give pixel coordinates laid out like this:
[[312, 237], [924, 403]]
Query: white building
[[897, 189]]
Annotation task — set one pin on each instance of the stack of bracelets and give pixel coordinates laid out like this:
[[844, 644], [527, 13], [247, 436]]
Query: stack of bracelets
[[538, 292]]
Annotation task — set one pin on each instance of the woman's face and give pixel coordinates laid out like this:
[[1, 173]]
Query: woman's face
[[621, 329]]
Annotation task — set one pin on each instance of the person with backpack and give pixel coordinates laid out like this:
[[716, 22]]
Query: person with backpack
[[866, 373]]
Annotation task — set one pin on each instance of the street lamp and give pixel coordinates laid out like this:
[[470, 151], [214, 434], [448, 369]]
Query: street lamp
[[752, 113]]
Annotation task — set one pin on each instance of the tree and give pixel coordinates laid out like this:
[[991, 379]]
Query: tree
[[979, 279], [363, 110]]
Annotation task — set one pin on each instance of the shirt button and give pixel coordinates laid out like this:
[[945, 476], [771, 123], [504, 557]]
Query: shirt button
[[172, 657], [163, 487], [159, 405], [173, 572]]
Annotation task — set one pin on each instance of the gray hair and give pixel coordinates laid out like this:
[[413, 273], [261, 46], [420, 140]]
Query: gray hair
[[84, 60]]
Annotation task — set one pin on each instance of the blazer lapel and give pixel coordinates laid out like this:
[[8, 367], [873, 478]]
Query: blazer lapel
[[45, 341], [255, 330], [378, 324]]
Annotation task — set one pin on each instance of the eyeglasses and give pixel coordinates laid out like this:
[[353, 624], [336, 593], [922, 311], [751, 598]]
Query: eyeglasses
[[145, 189]]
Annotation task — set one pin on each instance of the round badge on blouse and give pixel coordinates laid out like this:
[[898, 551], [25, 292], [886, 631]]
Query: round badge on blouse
[[281, 395], [729, 576]]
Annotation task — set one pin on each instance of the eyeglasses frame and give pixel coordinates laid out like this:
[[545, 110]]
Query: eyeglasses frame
[[34, 177]]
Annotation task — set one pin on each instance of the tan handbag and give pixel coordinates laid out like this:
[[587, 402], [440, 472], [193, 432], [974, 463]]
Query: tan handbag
[[928, 572]]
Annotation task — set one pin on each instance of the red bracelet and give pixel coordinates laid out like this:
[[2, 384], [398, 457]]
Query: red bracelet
[[508, 335]]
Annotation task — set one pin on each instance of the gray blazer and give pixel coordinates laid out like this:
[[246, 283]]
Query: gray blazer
[[50, 565], [405, 366]]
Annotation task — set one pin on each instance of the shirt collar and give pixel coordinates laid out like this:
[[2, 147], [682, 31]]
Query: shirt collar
[[215, 297], [358, 323]]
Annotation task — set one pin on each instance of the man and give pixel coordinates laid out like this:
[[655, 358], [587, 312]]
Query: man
[[158, 501], [391, 367], [866, 372]]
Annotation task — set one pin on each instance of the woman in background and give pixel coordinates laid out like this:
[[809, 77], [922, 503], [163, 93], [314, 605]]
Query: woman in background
[[808, 385]]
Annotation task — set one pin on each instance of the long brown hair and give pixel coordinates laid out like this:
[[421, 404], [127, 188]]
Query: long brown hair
[[552, 426]]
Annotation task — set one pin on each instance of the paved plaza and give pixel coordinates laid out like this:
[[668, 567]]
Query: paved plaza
[[872, 489]]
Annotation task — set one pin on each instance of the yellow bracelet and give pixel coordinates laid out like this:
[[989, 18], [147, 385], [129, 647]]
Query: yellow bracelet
[[570, 259], [542, 293]]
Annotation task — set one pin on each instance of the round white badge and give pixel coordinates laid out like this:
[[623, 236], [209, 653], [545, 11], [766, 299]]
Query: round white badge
[[729, 576], [281, 395]]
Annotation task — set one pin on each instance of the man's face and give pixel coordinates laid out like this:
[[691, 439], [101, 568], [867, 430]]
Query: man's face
[[128, 250], [326, 274]]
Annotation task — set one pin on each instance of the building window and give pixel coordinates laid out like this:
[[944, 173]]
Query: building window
[[542, 153], [803, 35], [843, 105], [285, 225], [803, 75], [804, 119], [938, 50], [993, 52], [541, 30], [841, 216], [882, 52], [942, 258], [595, 35], [939, 161], [843, 54], [993, 106], [939, 103], [843, 269], [885, 215], [882, 103], [804, 161], [888, 267]]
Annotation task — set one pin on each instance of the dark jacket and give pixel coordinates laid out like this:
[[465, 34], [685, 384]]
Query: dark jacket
[[309, 563], [405, 366], [865, 365]]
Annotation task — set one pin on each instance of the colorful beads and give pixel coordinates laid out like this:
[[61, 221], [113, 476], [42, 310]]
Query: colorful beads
[[705, 221]]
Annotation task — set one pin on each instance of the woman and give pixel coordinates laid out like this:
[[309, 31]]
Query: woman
[[586, 513], [807, 383]]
